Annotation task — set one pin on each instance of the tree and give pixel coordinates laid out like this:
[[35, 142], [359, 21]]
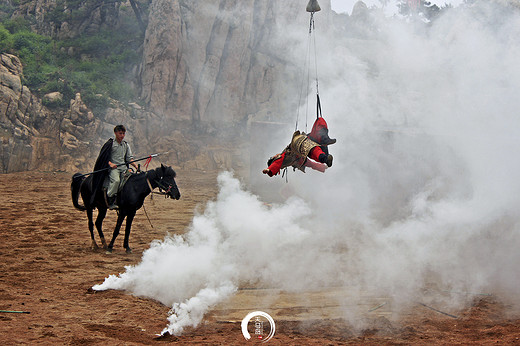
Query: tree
[[137, 12], [418, 7]]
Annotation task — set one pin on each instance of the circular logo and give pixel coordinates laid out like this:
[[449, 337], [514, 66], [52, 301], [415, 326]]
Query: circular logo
[[260, 324]]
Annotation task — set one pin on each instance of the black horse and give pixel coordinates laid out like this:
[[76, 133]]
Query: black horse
[[129, 199]]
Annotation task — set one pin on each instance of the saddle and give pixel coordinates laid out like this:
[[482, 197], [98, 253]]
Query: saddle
[[122, 181]]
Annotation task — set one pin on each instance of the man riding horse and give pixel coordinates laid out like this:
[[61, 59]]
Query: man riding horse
[[116, 155]]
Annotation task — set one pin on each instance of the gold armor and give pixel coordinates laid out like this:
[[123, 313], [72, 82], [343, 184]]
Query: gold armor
[[296, 152]]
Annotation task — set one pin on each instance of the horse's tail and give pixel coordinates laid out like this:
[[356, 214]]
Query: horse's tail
[[75, 187]]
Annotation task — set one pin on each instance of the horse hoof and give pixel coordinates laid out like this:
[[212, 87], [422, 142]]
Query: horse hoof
[[109, 251], [128, 250]]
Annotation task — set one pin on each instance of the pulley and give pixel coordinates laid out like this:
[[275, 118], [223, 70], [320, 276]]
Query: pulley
[[313, 6]]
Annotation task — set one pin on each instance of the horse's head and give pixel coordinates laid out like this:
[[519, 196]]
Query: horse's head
[[166, 182]]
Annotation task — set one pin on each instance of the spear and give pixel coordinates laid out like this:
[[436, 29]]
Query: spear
[[121, 164]]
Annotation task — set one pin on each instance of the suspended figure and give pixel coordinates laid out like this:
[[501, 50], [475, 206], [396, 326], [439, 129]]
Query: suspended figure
[[302, 148]]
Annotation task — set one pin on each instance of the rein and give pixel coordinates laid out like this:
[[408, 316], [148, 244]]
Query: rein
[[161, 188], [158, 182]]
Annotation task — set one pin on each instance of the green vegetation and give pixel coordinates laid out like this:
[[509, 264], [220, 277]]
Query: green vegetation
[[93, 64]]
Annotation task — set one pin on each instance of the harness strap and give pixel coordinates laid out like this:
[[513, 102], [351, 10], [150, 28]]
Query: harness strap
[[318, 107], [157, 193]]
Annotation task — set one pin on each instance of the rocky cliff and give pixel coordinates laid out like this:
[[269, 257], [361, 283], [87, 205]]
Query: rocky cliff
[[35, 137], [222, 61], [207, 69]]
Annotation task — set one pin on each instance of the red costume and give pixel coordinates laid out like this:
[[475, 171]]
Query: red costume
[[301, 148], [314, 154], [319, 131]]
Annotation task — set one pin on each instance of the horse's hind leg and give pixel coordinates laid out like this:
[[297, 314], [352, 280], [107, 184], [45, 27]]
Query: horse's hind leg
[[119, 222], [91, 228], [129, 219], [99, 225]]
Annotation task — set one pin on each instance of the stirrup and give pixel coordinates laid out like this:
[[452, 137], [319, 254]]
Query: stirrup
[[106, 197], [111, 205]]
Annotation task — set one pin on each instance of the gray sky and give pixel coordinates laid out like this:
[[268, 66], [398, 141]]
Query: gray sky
[[342, 6]]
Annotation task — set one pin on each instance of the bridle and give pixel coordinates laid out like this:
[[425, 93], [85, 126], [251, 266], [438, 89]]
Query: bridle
[[163, 189]]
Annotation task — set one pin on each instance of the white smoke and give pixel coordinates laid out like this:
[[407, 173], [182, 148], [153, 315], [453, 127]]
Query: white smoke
[[423, 191], [191, 312]]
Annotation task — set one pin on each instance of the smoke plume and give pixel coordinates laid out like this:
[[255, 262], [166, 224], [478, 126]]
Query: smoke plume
[[423, 191]]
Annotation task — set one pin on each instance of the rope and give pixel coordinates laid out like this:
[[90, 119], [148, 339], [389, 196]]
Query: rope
[[315, 59], [151, 197], [145, 213], [284, 173], [312, 39], [305, 74], [318, 104]]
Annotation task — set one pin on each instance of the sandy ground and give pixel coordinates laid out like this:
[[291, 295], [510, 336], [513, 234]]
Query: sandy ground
[[48, 267]]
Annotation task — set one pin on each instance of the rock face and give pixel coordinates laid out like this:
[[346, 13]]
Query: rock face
[[208, 68], [89, 16], [33, 137], [214, 63], [26, 126]]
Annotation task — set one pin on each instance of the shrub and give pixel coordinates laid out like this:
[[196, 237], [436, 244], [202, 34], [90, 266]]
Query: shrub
[[6, 40], [96, 68]]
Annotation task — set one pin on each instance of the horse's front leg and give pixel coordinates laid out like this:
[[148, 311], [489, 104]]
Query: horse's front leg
[[119, 222], [99, 225], [129, 219], [91, 229]]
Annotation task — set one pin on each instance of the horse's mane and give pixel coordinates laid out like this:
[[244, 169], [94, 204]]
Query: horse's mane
[[170, 171], [157, 172]]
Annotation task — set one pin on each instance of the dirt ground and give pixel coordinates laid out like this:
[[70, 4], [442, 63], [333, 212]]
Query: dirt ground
[[48, 267]]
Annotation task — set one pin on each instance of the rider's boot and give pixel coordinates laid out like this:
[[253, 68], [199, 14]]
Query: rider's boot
[[329, 160], [111, 201]]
